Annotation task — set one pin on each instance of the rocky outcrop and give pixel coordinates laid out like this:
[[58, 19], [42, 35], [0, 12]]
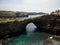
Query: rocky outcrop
[[11, 29], [48, 23]]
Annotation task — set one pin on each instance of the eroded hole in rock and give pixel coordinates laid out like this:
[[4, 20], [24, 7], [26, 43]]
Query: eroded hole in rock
[[30, 28]]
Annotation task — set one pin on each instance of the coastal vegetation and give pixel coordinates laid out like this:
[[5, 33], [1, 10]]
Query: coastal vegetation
[[7, 13]]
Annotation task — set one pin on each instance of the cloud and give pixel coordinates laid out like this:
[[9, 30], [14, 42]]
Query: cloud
[[8, 7], [31, 5], [38, 5]]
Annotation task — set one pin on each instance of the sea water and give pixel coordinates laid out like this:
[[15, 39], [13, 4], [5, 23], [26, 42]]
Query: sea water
[[31, 38]]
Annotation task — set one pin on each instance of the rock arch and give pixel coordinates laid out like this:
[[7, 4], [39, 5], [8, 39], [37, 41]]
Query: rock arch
[[30, 27]]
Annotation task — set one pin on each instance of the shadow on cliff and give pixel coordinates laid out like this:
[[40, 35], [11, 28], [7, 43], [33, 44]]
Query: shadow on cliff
[[49, 24]]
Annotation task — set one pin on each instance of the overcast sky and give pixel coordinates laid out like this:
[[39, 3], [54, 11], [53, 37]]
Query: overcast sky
[[30, 5]]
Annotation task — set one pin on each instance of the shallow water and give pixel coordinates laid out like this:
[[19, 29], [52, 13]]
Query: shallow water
[[33, 39]]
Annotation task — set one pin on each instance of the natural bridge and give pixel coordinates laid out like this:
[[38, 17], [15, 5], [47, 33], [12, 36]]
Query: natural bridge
[[48, 23]]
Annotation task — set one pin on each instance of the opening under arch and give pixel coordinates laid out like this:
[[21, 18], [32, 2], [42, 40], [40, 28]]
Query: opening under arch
[[30, 28]]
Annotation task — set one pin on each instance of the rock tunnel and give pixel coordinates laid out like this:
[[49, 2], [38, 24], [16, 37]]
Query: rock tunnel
[[17, 28], [47, 24], [30, 28]]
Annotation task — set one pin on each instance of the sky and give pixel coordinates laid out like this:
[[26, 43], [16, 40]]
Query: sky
[[30, 5]]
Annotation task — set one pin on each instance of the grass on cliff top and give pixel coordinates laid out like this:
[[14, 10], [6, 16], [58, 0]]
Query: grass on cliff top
[[4, 20]]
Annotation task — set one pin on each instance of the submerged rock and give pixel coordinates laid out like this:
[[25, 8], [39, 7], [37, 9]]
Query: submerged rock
[[54, 41]]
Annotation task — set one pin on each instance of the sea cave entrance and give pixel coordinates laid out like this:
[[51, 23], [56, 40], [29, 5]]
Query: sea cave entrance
[[30, 28]]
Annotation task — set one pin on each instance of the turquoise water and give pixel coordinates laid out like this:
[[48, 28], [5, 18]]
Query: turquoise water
[[31, 38]]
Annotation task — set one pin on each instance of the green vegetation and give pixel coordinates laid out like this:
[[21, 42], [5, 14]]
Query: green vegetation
[[7, 13], [7, 16], [57, 12]]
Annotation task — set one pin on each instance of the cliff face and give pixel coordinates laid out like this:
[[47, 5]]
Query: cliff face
[[3, 29], [11, 29], [48, 23], [52, 21]]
